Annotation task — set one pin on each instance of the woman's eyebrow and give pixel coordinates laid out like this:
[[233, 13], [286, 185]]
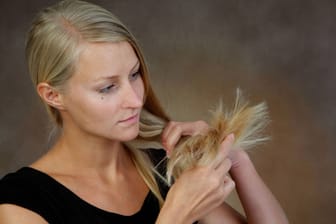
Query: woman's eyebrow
[[115, 76]]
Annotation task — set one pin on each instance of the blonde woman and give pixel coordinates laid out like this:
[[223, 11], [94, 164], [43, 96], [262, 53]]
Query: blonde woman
[[90, 73]]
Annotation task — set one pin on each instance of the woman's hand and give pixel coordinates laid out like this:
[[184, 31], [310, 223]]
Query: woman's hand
[[175, 130], [199, 190]]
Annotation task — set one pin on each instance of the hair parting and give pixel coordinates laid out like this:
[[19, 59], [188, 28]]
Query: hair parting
[[54, 43]]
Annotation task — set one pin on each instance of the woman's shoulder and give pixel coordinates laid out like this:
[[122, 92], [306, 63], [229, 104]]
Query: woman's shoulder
[[30, 189], [15, 214], [22, 180], [23, 187]]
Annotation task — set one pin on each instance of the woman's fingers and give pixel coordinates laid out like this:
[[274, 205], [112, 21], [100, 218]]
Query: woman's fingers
[[229, 185], [223, 168], [203, 188], [171, 135], [223, 151], [175, 130]]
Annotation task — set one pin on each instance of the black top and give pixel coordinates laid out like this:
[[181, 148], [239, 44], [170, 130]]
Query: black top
[[38, 192]]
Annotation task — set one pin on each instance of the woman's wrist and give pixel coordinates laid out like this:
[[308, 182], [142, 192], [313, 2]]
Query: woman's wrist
[[240, 161], [171, 216], [171, 213], [242, 168]]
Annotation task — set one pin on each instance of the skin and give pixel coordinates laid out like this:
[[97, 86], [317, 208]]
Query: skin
[[212, 184], [175, 130], [89, 157], [260, 206], [99, 106]]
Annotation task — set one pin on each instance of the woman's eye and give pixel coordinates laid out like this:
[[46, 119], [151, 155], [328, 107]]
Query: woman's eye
[[135, 75], [107, 88]]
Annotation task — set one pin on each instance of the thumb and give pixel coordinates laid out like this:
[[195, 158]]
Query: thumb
[[224, 149]]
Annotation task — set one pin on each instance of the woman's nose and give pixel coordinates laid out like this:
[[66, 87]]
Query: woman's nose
[[133, 96]]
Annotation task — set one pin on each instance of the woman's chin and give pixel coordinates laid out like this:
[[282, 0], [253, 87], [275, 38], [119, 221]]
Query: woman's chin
[[129, 135]]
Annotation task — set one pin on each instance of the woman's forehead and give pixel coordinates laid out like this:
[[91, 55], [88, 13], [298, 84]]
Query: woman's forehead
[[106, 59]]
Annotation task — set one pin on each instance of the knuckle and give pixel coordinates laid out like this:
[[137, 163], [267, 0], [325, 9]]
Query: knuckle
[[178, 128], [228, 188], [213, 181], [230, 182], [168, 144], [171, 123], [204, 171], [201, 123], [174, 126]]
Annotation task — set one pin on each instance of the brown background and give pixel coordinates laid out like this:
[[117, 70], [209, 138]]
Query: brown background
[[280, 51]]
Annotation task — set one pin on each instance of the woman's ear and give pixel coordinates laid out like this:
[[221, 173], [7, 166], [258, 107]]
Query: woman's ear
[[50, 95]]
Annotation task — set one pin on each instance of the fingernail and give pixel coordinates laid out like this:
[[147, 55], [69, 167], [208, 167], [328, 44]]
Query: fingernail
[[168, 154]]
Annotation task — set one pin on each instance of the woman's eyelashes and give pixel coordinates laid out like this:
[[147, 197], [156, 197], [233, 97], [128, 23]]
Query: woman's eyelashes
[[114, 86], [135, 75], [108, 88]]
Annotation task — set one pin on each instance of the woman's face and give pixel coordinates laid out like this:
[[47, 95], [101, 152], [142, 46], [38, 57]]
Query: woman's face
[[105, 95]]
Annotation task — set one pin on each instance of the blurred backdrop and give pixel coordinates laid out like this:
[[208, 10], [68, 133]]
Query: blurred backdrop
[[279, 51]]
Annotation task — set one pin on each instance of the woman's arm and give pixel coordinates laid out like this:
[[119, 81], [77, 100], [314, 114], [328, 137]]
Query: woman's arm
[[12, 214], [223, 214], [259, 203], [260, 206]]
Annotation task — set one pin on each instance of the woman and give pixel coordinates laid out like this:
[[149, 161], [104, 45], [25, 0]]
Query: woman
[[91, 75]]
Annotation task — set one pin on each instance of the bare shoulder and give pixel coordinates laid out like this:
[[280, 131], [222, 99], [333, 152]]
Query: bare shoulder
[[12, 214]]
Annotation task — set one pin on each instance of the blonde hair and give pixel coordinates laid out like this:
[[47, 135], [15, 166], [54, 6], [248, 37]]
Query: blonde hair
[[244, 121], [54, 45]]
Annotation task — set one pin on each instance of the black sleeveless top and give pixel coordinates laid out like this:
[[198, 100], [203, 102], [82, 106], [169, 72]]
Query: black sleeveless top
[[38, 192]]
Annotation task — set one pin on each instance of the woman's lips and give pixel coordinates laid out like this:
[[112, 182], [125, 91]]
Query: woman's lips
[[130, 119]]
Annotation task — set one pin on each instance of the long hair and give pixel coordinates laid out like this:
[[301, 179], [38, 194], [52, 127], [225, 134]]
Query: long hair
[[246, 122], [53, 47]]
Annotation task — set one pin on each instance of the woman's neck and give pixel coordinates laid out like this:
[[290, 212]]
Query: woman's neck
[[98, 171], [76, 154]]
